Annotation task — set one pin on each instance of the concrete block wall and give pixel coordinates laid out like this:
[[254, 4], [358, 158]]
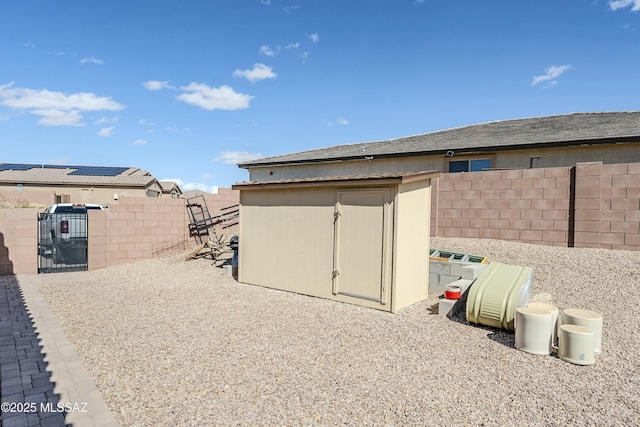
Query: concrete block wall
[[607, 206], [443, 273], [18, 241], [137, 229], [526, 205], [131, 229]]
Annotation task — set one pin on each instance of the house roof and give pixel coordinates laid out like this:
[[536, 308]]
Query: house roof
[[18, 173], [549, 131], [169, 186], [380, 179]]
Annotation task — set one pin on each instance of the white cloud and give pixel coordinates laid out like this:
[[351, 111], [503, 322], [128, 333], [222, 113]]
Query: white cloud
[[22, 98], [265, 2], [157, 85], [140, 141], [340, 121], [105, 120], [212, 98], [55, 117], [314, 37], [106, 132], [266, 50], [145, 122], [621, 4], [290, 8], [29, 44], [55, 108], [192, 186], [91, 60], [170, 129], [259, 72], [550, 73], [292, 46], [235, 157]]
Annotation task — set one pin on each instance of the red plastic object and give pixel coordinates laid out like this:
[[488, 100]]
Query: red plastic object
[[452, 292]]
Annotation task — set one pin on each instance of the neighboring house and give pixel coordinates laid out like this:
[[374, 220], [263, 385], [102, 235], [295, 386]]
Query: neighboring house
[[77, 184], [553, 141], [170, 189]]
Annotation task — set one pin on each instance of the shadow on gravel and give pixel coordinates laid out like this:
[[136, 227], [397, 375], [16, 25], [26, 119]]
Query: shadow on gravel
[[501, 336]]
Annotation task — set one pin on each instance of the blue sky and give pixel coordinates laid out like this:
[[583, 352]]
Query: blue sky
[[187, 89]]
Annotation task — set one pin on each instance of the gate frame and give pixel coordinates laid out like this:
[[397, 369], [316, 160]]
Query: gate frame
[[47, 259]]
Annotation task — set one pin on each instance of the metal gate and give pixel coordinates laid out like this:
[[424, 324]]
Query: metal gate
[[62, 242]]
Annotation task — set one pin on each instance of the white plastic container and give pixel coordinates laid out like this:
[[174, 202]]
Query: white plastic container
[[576, 344], [534, 330], [554, 315], [588, 319]]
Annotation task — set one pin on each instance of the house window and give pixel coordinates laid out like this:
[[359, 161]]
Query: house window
[[475, 165]]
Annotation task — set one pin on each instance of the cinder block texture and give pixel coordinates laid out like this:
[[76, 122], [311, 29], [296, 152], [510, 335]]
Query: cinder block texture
[[472, 271], [132, 229], [536, 205]]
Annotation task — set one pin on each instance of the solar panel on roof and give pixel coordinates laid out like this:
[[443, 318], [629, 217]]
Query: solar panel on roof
[[98, 170], [16, 167], [77, 170]]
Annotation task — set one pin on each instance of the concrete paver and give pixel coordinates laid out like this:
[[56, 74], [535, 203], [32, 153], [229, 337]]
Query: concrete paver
[[39, 367]]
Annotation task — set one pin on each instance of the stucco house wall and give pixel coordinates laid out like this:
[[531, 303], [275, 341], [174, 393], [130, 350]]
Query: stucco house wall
[[512, 159], [78, 184], [83, 194]]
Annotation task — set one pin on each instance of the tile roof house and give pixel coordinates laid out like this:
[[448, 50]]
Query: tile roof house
[[170, 189], [552, 141], [78, 184]]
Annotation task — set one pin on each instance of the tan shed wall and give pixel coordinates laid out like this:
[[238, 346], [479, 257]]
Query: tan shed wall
[[379, 245], [411, 248], [286, 239], [363, 247]]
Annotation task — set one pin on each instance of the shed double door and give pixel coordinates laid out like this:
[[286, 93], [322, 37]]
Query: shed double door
[[361, 227]]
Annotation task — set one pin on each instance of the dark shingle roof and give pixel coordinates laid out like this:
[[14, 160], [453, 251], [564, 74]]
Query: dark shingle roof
[[568, 129]]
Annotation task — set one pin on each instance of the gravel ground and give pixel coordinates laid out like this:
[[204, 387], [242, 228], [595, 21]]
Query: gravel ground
[[170, 342]]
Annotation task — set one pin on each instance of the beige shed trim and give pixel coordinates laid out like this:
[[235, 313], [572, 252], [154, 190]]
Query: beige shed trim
[[354, 180]]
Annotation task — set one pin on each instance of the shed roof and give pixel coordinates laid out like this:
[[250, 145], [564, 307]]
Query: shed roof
[[549, 131], [350, 180], [18, 173]]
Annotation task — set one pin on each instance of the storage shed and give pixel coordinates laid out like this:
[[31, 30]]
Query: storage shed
[[359, 239]]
